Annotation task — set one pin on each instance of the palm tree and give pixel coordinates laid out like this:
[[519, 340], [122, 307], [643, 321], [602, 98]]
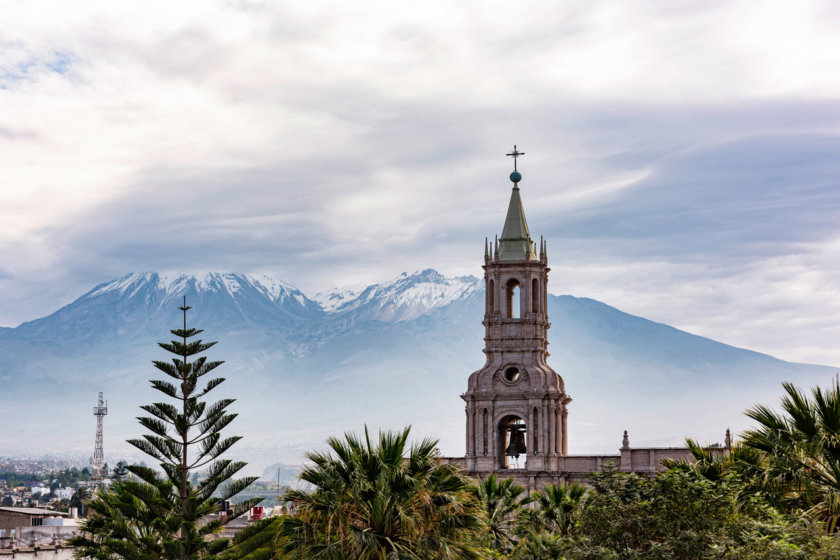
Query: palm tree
[[500, 502], [257, 541], [719, 465], [381, 501], [802, 449], [555, 506], [716, 463]]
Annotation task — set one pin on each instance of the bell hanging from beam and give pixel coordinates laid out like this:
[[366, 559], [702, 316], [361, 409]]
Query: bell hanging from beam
[[517, 444]]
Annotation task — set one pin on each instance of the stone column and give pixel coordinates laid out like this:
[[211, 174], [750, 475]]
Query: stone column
[[564, 417], [479, 440], [545, 431], [467, 434], [470, 428], [492, 435], [544, 293], [532, 434], [552, 432]]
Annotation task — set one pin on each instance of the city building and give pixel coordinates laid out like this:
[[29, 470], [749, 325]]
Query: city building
[[30, 527]]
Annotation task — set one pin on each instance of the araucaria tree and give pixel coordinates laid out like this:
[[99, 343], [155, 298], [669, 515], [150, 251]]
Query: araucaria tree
[[185, 437]]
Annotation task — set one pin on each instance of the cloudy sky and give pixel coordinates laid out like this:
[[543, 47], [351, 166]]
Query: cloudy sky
[[681, 157]]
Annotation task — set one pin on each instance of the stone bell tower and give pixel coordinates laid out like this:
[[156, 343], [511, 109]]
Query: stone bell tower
[[516, 404]]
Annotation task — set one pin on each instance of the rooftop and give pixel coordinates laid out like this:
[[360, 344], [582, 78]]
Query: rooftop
[[34, 511]]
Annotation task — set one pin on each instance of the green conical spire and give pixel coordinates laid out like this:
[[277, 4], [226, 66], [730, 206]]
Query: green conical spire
[[515, 243]]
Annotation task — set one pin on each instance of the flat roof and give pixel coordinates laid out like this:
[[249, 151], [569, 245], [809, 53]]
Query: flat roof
[[33, 511]]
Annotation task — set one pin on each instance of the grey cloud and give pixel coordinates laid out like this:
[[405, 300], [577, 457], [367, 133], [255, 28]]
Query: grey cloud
[[749, 199], [710, 198]]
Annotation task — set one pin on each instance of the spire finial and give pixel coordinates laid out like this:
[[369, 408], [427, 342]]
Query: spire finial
[[516, 176], [515, 154]]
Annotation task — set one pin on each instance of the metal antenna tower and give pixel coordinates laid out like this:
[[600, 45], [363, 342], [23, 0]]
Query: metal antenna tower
[[98, 471]]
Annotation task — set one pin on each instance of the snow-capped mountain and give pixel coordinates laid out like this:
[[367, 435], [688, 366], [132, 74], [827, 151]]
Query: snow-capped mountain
[[389, 354], [160, 289], [175, 285], [403, 299], [141, 302], [330, 300]]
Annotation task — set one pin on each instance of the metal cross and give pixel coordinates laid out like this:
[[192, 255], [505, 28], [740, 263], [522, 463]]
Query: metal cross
[[515, 154]]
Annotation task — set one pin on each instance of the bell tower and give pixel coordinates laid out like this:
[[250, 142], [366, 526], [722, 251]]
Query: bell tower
[[516, 404]]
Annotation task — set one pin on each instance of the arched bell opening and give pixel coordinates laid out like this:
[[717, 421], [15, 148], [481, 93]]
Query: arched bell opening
[[535, 296], [512, 435], [512, 297]]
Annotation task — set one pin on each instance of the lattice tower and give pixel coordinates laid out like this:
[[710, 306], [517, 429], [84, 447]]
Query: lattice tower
[[97, 472]]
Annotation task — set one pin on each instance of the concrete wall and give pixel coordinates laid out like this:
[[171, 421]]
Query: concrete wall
[[45, 553], [577, 468], [11, 520], [14, 519], [649, 460], [43, 535]]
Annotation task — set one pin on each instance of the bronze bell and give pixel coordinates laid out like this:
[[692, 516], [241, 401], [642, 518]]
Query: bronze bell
[[517, 444]]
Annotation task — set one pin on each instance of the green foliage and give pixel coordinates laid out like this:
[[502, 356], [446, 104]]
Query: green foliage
[[169, 517], [771, 498], [381, 501], [715, 463], [802, 450], [120, 471], [258, 541], [554, 511], [540, 546], [500, 502], [132, 519], [675, 515], [65, 478], [71, 477], [671, 515], [78, 500]]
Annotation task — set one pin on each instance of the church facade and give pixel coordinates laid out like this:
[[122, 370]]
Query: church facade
[[517, 407]]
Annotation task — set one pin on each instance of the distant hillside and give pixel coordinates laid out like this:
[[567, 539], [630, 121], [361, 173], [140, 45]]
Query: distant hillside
[[387, 355]]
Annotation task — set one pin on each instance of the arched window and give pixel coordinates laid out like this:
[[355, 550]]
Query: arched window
[[535, 296], [513, 300], [512, 436], [491, 296]]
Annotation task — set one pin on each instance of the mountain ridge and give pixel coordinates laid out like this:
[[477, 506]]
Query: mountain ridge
[[394, 353]]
